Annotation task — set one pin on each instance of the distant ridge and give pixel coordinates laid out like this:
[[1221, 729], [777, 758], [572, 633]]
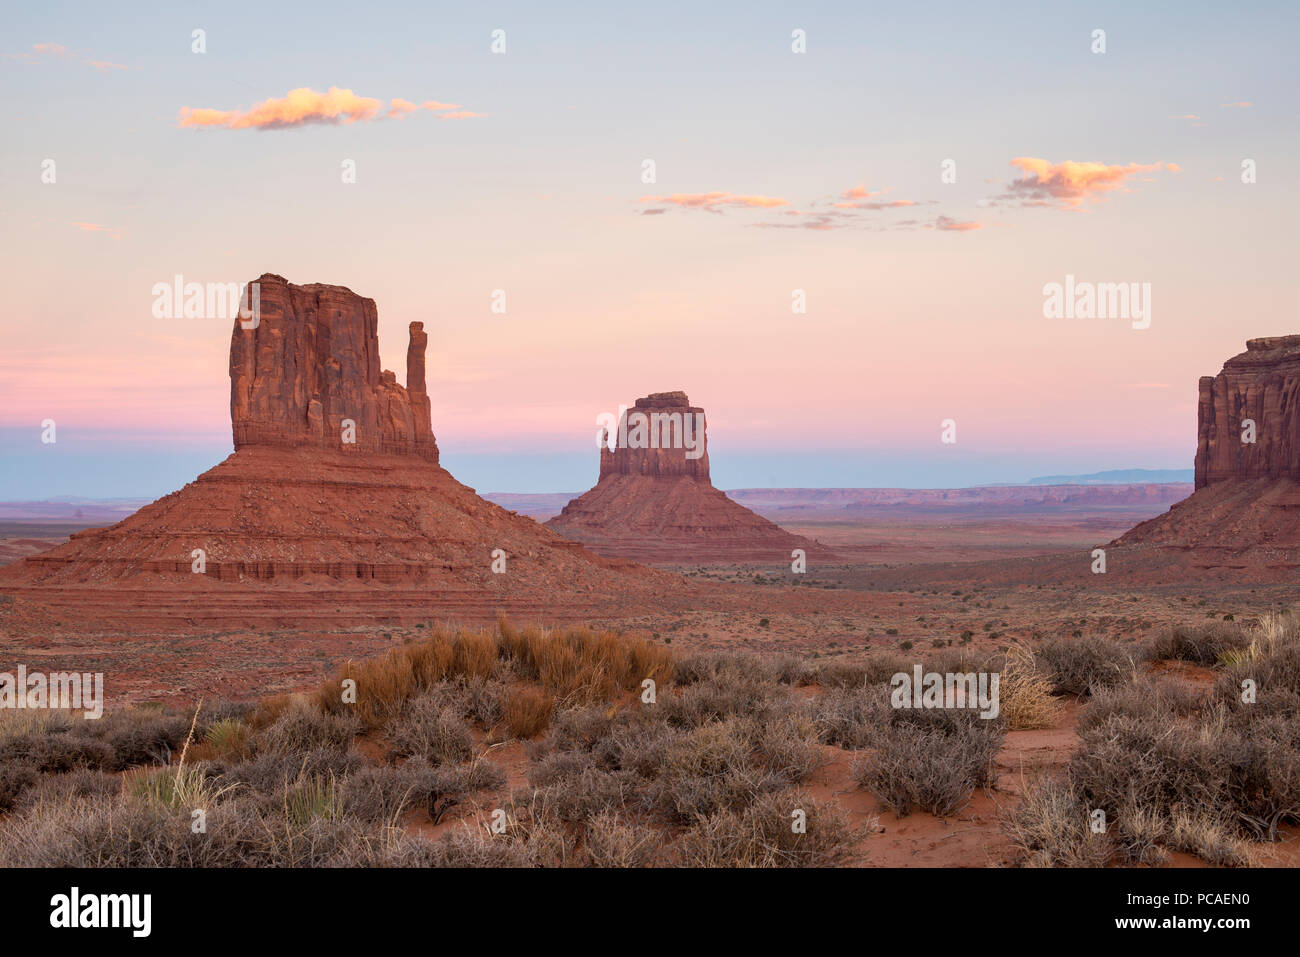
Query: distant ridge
[[1118, 477]]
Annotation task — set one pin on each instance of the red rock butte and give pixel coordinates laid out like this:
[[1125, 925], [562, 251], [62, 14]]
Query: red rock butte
[[654, 500], [1245, 512], [333, 507]]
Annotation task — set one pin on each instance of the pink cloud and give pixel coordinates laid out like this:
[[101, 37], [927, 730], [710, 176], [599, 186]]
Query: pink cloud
[[113, 231], [948, 225], [1239, 105], [1069, 184], [305, 106], [713, 202]]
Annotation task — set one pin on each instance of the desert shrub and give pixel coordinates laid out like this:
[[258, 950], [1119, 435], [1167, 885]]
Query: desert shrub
[[125, 832], [1143, 761], [269, 773], [464, 848], [762, 835], [1199, 644], [57, 751], [578, 666], [1164, 701], [428, 728], [474, 654], [710, 769], [852, 716], [185, 787], [226, 739], [575, 797], [789, 747], [1079, 665], [612, 840], [743, 691], [1025, 693], [16, 777], [60, 788], [931, 759], [874, 669], [526, 711], [1200, 834], [302, 727], [1050, 828]]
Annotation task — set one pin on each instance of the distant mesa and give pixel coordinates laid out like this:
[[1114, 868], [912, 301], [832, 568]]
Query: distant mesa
[[334, 488], [654, 500], [1245, 512]]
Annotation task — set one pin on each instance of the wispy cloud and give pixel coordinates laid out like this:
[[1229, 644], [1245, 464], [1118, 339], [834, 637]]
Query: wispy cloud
[[304, 107], [947, 224], [1070, 184], [1239, 105], [716, 201], [113, 232], [42, 52]]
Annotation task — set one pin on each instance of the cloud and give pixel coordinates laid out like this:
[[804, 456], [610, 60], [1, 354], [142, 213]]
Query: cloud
[[715, 201], [304, 107], [42, 51], [1069, 184], [113, 231], [948, 225], [1185, 116], [1239, 105]]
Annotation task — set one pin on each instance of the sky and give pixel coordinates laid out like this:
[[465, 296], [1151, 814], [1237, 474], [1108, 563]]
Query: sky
[[916, 177]]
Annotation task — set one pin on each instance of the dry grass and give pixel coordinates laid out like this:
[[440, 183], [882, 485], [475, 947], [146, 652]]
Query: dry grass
[[1025, 693], [527, 711]]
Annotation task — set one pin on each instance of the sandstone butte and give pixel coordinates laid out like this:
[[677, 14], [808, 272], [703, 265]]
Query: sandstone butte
[[658, 504], [1245, 512], [300, 525]]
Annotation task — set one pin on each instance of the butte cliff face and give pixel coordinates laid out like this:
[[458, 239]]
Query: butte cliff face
[[654, 500], [1243, 520], [301, 527], [306, 373], [1259, 386]]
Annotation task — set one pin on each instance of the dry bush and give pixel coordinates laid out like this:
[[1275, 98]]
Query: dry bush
[[474, 654], [526, 711], [762, 835], [301, 728], [1080, 665], [1199, 644], [578, 666], [16, 777], [1143, 699], [1025, 693], [710, 769], [933, 760], [1208, 839], [575, 797], [61, 788], [612, 840], [268, 774], [430, 729], [789, 747], [852, 716], [1050, 828]]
